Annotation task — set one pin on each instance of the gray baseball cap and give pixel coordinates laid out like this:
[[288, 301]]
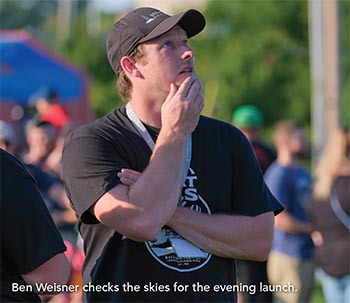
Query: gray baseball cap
[[144, 24]]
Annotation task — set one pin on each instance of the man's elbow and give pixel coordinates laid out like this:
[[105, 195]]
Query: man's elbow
[[258, 249], [262, 252], [262, 242], [138, 226], [143, 230]]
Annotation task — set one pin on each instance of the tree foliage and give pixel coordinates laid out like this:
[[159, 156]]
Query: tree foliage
[[252, 51], [256, 52], [344, 63], [89, 53], [30, 14]]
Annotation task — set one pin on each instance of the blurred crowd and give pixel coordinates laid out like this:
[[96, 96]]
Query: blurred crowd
[[311, 235], [311, 238]]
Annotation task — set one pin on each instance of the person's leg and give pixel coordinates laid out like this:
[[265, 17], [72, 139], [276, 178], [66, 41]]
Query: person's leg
[[258, 274], [345, 288], [254, 273], [306, 271], [283, 271], [331, 287]]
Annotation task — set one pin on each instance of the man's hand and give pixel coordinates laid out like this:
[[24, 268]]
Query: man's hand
[[182, 108], [128, 176]]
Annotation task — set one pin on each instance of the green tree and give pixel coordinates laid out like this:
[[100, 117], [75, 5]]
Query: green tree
[[257, 52], [16, 14], [88, 52], [344, 64], [252, 51]]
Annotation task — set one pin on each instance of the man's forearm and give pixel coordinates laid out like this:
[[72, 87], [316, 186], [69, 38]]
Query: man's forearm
[[225, 235], [157, 190]]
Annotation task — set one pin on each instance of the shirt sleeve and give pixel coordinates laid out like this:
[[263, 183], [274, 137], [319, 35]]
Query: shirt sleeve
[[251, 195], [90, 165]]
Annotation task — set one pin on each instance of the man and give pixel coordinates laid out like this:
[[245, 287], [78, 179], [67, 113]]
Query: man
[[46, 103], [150, 244], [32, 250], [250, 121], [291, 259], [41, 139]]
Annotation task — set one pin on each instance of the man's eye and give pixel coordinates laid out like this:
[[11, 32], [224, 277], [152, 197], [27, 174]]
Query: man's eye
[[166, 44]]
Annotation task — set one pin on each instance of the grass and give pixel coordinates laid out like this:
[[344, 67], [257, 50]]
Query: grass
[[317, 296]]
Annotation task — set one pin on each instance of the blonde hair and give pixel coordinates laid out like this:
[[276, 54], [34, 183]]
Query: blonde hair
[[124, 85], [333, 157]]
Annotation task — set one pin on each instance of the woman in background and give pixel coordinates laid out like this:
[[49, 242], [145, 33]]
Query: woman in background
[[330, 217]]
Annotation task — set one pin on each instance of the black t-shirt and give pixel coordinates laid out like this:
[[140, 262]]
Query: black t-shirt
[[29, 236], [224, 177]]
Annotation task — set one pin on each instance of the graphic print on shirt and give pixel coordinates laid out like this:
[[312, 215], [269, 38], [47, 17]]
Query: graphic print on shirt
[[172, 250]]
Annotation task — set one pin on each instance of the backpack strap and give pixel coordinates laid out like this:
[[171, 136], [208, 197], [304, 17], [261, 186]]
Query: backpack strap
[[337, 209]]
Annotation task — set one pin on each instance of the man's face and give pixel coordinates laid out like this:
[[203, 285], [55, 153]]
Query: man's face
[[41, 138], [169, 59], [298, 143]]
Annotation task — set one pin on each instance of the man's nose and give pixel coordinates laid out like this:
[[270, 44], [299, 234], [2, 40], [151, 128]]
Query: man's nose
[[188, 52]]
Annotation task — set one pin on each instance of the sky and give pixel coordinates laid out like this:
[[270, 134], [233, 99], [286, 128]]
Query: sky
[[114, 6]]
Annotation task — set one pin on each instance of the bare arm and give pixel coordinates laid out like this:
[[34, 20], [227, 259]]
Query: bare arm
[[288, 223], [55, 270], [139, 212], [228, 236], [223, 235]]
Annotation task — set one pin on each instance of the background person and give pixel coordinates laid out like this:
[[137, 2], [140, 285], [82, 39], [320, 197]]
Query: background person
[[46, 101], [145, 233], [291, 259], [32, 250], [330, 217], [250, 121], [41, 140], [44, 150]]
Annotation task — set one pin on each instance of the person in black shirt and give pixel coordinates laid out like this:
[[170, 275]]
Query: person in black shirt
[[32, 250], [199, 200]]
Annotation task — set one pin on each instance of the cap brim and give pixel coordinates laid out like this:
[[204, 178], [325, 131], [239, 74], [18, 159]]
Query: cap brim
[[191, 21]]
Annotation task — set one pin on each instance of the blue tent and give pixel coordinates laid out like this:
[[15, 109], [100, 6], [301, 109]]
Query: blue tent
[[27, 65]]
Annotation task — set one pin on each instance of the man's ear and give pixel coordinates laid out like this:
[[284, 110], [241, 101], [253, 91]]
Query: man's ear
[[129, 67]]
